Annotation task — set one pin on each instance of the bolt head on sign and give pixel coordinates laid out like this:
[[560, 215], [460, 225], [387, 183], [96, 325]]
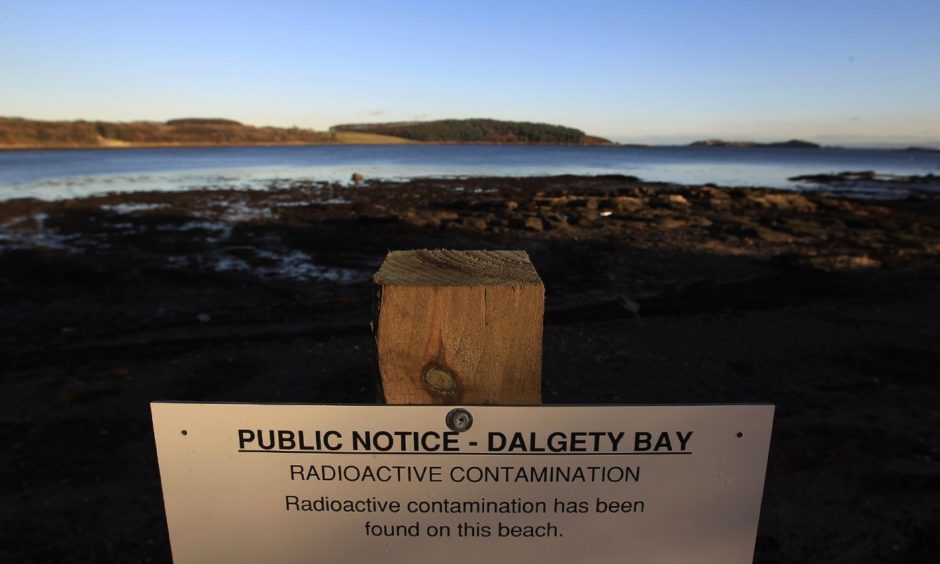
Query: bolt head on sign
[[430, 484]]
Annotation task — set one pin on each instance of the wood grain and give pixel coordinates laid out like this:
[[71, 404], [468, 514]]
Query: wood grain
[[460, 327]]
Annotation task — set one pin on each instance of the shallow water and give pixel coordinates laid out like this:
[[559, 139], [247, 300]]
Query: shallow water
[[63, 174]]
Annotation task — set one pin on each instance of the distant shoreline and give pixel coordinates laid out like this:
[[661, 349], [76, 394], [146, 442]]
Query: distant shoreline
[[29, 134], [350, 143], [172, 146], [23, 134], [149, 146], [333, 144]]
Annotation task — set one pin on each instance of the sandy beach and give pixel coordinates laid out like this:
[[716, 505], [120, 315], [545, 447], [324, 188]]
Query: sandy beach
[[656, 293]]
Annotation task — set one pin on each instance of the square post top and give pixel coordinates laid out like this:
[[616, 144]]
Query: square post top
[[457, 268]]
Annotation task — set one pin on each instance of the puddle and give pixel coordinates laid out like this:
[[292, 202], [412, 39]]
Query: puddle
[[129, 208]]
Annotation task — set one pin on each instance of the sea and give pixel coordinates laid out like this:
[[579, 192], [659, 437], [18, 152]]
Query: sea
[[61, 174]]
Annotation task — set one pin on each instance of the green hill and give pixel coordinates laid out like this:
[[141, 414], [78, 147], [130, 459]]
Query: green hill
[[29, 133], [477, 131]]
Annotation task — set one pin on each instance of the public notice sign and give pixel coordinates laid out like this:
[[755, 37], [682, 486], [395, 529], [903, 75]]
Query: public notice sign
[[382, 484]]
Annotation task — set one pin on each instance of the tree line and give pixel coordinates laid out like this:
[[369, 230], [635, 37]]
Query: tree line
[[36, 133], [476, 131]]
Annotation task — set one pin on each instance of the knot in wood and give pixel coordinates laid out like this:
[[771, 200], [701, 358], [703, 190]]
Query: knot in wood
[[440, 381]]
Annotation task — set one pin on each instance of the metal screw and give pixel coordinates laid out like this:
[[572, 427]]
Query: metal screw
[[459, 420]]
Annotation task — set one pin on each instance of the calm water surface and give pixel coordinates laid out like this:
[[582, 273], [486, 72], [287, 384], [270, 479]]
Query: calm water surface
[[64, 174]]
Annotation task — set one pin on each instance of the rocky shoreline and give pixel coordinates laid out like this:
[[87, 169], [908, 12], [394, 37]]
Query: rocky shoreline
[[869, 184], [655, 293], [816, 229]]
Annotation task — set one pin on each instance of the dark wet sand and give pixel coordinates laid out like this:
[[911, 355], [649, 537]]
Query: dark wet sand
[[827, 307]]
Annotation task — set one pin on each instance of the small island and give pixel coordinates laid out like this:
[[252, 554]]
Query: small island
[[791, 144]]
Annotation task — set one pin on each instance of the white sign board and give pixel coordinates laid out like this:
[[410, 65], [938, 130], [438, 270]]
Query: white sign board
[[383, 484]]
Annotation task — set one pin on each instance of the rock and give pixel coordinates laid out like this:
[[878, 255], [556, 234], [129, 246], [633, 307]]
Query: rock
[[409, 216], [751, 231], [670, 223], [713, 191], [475, 223], [628, 203], [678, 200], [700, 221], [412, 218], [534, 224], [718, 203], [581, 218], [844, 262], [848, 176], [589, 203], [786, 202], [772, 236], [630, 305], [555, 221], [435, 219]]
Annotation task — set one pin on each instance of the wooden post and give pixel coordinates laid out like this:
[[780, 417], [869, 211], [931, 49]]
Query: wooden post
[[460, 327]]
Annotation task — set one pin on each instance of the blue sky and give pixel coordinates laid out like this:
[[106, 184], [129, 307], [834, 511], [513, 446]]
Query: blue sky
[[854, 72]]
